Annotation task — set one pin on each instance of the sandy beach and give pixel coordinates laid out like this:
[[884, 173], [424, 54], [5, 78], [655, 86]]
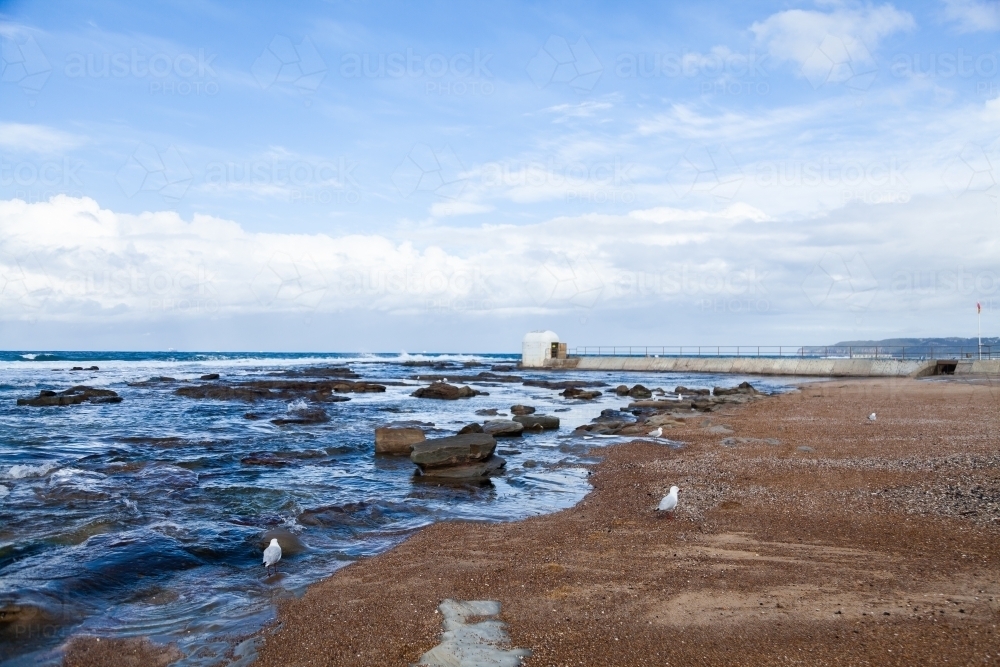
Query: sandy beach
[[805, 535]]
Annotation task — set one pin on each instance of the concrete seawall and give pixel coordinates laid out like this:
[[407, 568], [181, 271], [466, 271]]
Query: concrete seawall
[[777, 366]]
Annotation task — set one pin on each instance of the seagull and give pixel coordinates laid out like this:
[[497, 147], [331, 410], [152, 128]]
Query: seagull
[[669, 502], [657, 433], [871, 417], [272, 554]]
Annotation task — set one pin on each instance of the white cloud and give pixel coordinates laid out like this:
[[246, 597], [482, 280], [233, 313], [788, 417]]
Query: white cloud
[[973, 15], [37, 139], [70, 260], [833, 46]]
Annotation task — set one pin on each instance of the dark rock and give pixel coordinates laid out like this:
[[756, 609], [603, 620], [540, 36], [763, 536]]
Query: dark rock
[[582, 394], [565, 384], [492, 466], [691, 392], [530, 463], [77, 368], [471, 428], [72, 396], [289, 542], [503, 368], [251, 416], [487, 412], [332, 515], [430, 364], [445, 391], [638, 391], [503, 428], [521, 410], [453, 451], [397, 438], [210, 376], [264, 459], [303, 416], [743, 388], [537, 422], [322, 391], [621, 390]]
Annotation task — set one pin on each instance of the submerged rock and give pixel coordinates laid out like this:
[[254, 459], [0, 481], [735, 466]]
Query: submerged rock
[[303, 416], [445, 391], [325, 391], [210, 376], [72, 396]]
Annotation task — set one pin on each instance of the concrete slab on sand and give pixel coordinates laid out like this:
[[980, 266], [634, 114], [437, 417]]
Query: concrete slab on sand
[[465, 644]]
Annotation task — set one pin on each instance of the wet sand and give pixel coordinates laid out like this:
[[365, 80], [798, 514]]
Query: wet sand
[[846, 543]]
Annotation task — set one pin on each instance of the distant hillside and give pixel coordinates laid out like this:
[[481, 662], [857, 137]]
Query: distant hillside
[[952, 346], [918, 342]]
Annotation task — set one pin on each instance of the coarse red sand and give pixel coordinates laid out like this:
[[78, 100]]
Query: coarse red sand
[[848, 543]]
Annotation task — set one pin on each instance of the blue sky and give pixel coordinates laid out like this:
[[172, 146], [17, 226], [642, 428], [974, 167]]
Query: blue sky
[[384, 176]]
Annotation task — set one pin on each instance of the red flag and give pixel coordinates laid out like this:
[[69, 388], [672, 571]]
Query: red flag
[[979, 309]]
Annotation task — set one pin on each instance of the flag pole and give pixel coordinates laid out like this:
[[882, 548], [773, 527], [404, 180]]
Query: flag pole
[[979, 322]]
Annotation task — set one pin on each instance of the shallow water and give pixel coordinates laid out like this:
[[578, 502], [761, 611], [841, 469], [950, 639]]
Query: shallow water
[[139, 518]]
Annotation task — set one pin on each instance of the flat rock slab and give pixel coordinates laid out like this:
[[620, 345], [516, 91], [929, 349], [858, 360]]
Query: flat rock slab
[[538, 422], [494, 465], [453, 451], [447, 392], [397, 439], [465, 644], [503, 428]]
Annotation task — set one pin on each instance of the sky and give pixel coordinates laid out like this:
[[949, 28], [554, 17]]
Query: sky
[[370, 176]]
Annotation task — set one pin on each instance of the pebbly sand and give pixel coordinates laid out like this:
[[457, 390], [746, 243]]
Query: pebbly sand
[[846, 543]]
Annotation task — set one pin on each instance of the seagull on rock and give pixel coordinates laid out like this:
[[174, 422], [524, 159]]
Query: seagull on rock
[[669, 502], [656, 433], [871, 417], [272, 554]]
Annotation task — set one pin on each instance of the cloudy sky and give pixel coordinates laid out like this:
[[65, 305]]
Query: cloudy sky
[[370, 176]]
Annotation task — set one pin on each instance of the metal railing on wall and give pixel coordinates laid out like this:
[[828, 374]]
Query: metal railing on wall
[[806, 352]]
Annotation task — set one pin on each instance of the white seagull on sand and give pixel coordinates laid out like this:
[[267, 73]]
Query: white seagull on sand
[[669, 502], [657, 433], [272, 554], [871, 417]]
